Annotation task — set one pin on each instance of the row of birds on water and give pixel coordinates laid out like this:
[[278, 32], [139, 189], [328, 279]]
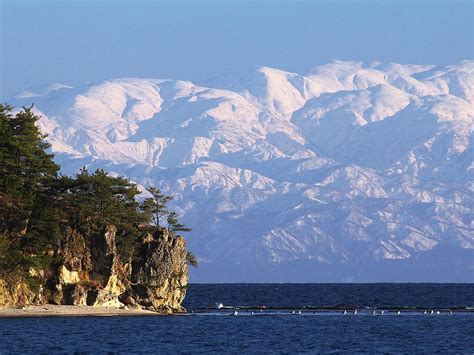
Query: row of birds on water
[[431, 312]]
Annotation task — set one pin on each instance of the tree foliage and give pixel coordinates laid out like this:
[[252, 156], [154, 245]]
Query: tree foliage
[[174, 225], [155, 207], [27, 210], [95, 200], [191, 259]]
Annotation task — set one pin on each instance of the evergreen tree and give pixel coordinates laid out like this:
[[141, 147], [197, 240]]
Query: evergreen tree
[[191, 259], [27, 171], [174, 225], [98, 199], [155, 207]]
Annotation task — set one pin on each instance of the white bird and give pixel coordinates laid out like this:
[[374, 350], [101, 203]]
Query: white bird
[[437, 313], [235, 313], [398, 313], [252, 313], [299, 312], [424, 312], [219, 305], [355, 311], [382, 312], [432, 312], [373, 313], [450, 312], [345, 312]]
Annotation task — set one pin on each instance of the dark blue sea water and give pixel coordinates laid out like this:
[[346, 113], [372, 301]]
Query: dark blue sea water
[[322, 325]]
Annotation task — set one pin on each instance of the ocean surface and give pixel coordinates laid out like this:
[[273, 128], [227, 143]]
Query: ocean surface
[[270, 318]]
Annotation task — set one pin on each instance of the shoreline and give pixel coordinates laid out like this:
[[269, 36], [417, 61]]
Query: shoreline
[[51, 310]]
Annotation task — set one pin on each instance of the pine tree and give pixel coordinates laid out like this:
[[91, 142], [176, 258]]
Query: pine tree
[[191, 259], [94, 201], [155, 207], [174, 225], [26, 172]]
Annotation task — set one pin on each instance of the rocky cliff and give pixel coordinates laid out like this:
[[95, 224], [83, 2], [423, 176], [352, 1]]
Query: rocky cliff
[[90, 271]]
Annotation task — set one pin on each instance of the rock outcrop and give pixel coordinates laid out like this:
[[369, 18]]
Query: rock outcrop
[[90, 271], [159, 276]]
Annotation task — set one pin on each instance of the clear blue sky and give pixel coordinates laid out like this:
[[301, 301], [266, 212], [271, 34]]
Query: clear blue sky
[[74, 42]]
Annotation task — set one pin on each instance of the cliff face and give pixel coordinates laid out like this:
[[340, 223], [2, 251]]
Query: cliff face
[[89, 271]]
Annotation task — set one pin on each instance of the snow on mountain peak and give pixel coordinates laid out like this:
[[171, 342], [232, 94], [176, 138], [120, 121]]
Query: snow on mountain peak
[[352, 164]]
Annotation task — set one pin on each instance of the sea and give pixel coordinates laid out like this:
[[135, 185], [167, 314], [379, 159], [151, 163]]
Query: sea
[[270, 318]]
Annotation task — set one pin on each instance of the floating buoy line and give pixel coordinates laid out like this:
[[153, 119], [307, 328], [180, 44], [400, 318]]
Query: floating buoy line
[[221, 309]]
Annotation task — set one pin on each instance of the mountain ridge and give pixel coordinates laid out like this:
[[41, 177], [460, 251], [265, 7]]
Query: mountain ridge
[[354, 163]]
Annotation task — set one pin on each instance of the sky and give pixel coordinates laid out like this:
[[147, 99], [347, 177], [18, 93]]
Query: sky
[[74, 42]]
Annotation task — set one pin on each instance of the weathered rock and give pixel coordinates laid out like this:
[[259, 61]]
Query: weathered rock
[[17, 293], [90, 272], [160, 274], [5, 297], [106, 265], [68, 283]]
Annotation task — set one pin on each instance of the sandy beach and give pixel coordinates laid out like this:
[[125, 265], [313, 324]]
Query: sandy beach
[[51, 310]]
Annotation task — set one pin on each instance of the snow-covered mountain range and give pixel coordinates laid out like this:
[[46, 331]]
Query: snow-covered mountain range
[[352, 172]]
